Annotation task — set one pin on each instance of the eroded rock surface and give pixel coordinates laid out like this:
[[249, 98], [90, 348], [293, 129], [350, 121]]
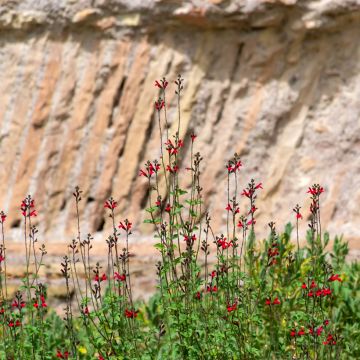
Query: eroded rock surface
[[277, 81]]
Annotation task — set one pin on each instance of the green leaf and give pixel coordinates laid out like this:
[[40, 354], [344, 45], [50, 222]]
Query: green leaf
[[151, 209]]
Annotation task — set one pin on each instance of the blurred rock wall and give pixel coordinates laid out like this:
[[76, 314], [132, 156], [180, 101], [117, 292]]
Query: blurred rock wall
[[277, 81]]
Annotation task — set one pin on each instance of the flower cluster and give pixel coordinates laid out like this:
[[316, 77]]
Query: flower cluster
[[151, 168]]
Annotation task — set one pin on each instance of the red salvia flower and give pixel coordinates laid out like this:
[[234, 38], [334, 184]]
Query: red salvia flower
[[198, 295], [162, 84], [213, 274], [301, 332], [276, 301], [18, 323], [121, 277], [2, 217], [293, 333], [36, 305], [61, 355], [326, 291], [240, 224], [299, 216], [159, 104], [167, 208], [318, 293], [2, 258], [334, 278], [313, 285], [126, 225], [2, 311], [251, 222], [97, 278], [11, 323], [319, 330], [211, 289], [173, 169], [310, 294], [326, 322], [259, 186], [131, 314], [193, 137], [86, 311], [303, 286], [268, 302], [232, 307], [110, 204]]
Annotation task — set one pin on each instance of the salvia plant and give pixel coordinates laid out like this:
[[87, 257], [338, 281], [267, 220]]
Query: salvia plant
[[219, 296]]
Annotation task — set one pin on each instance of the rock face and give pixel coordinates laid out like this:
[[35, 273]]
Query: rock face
[[277, 81]]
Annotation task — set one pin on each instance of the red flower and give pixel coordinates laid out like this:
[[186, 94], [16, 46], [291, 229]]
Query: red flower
[[240, 224], [32, 213], [319, 330], [2, 217], [126, 225], [318, 293], [303, 286], [252, 210], [211, 289], [167, 208], [111, 204], [326, 322], [232, 307], [18, 305], [310, 294], [2, 311], [121, 277], [159, 104], [313, 285], [293, 333], [100, 358], [213, 274], [246, 193], [276, 301], [315, 190], [99, 279], [131, 314], [223, 243], [334, 278], [228, 208], [86, 311], [11, 323], [1, 258], [259, 186], [251, 222], [311, 331], [326, 292], [163, 84], [190, 239], [173, 169], [36, 305], [301, 332], [268, 302], [18, 323], [299, 216], [193, 137], [198, 295], [65, 355]]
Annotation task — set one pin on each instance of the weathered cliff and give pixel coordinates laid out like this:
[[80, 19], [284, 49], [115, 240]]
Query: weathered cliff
[[276, 81]]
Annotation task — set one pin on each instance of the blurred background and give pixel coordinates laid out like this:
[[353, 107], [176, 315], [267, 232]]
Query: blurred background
[[277, 81]]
